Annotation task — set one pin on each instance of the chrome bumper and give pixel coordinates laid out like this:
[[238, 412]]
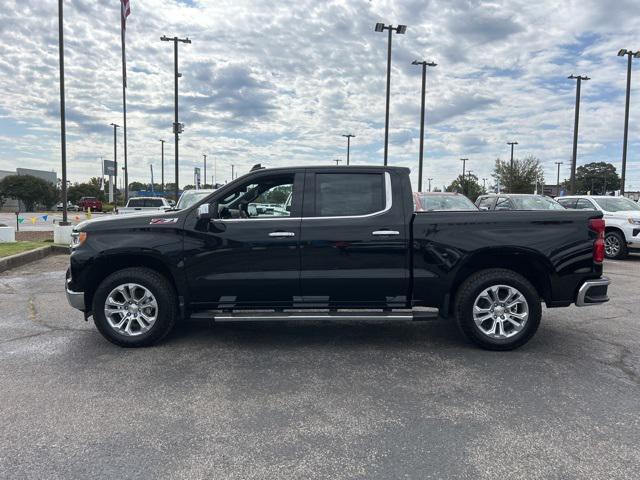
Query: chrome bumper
[[593, 292], [75, 299]]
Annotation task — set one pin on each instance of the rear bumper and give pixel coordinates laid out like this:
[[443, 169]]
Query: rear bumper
[[593, 292]]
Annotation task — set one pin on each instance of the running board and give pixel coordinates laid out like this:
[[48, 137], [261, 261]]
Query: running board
[[273, 316]]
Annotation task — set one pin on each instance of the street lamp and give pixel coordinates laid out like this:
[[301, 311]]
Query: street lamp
[[162, 165], [63, 121], [177, 127], [115, 161], [484, 184], [337, 160], [579, 79], [429, 180], [630, 54], [349, 137], [558, 179], [464, 164], [400, 29], [205, 168], [424, 64]]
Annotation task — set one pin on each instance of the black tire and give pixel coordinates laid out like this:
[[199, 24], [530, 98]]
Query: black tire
[[477, 283], [617, 239], [165, 296]]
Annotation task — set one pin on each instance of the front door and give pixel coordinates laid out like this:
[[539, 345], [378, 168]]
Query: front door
[[250, 256], [354, 245]]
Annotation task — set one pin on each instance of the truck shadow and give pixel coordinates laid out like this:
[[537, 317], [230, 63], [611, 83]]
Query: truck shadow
[[301, 334]]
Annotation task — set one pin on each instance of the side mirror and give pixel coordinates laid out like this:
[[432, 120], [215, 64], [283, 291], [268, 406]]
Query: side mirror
[[204, 212]]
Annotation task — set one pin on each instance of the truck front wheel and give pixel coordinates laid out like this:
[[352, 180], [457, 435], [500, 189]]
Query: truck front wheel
[[498, 309], [134, 307]]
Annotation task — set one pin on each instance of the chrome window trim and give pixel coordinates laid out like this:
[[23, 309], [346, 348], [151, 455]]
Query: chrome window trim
[[388, 205]]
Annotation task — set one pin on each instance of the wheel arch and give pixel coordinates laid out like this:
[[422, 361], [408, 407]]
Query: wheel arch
[[105, 265], [531, 265]]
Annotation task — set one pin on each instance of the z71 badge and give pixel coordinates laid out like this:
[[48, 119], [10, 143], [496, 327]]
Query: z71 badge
[[163, 221]]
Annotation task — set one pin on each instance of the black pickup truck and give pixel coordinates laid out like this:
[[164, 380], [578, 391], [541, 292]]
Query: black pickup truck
[[333, 243]]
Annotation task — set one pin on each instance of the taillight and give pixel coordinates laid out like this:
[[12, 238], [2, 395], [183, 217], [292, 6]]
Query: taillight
[[597, 225]]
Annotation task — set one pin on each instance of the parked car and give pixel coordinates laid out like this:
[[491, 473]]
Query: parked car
[[441, 201], [70, 207], [92, 203], [622, 221], [350, 240], [144, 204], [517, 201], [191, 197]]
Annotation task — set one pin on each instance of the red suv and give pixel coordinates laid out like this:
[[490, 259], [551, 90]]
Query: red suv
[[92, 203]]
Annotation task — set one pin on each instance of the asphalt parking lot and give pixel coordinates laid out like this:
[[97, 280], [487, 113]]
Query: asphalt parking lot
[[316, 400]]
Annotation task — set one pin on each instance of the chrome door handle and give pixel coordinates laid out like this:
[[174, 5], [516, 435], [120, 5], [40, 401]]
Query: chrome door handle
[[282, 234], [385, 232]]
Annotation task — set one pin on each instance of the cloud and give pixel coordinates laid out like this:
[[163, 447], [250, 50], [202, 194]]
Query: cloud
[[279, 82]]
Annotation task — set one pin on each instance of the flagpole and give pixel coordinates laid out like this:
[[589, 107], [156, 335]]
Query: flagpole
[[124, 101]]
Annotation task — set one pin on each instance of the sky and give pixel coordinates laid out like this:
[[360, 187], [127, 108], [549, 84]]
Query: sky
[[279, 82]]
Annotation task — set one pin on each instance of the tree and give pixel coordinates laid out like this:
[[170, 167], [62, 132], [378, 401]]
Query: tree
[[522, 178], [597, 178], [29, 190], [468, 186], [88, 189]]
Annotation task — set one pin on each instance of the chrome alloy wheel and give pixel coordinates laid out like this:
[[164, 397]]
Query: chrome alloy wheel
[[500, 311], [131, 309], [612, 245]]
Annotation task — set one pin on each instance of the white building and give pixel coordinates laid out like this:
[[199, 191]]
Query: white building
[[13, 205]]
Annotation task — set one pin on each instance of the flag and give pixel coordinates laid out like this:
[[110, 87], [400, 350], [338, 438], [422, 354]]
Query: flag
[[126, 11], [45, 217]]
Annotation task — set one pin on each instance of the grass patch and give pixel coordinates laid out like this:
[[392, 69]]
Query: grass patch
[[7, 249]]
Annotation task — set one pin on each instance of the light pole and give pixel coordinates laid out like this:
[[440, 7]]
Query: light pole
[[205, 168], [400, 29], [63, 122], [178, 128], [349, 137], [484, 184], [424, 64], [429, 180], [579, 79], [558, 179], [232, 170], [337, 160], [162, 165], [464, 164], [115, 161], [511, 166], [630, 54]]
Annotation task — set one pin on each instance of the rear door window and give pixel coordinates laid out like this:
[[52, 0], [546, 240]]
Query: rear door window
[[153, 202], [136, 203], [567, 202], [584, 204], [503, 203], [348, 194]]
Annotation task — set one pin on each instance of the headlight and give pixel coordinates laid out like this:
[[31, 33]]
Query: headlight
[[633, 221], [77, 239]]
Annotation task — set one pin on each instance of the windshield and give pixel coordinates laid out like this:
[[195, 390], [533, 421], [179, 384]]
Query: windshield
[[535, 202], [191, 197], [617, 204], [445, 202]]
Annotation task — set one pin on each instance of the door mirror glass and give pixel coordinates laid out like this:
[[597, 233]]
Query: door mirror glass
[[204, 212]]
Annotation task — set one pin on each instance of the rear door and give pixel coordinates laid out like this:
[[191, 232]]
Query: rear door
[[354, 241]]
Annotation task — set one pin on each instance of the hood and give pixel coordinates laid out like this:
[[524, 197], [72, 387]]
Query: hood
[[107, 222]]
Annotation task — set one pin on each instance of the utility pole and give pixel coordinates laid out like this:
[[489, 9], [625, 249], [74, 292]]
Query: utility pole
[[232, 171], [424, 64], [604, 187], [63, 123], [337, 160], [178, 128], [464, 164], [429, 180], [115, 161], [162, 166], [349, 137], [630, 54], [152, 187], [484, 184], [205, 168], [558, 179], [579, 79], [400, 29]]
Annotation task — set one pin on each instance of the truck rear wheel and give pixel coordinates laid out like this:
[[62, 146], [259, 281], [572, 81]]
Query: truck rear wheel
[[498, 309], [134, 307]]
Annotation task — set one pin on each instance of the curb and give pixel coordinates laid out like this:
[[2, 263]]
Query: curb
[[20, 259]]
